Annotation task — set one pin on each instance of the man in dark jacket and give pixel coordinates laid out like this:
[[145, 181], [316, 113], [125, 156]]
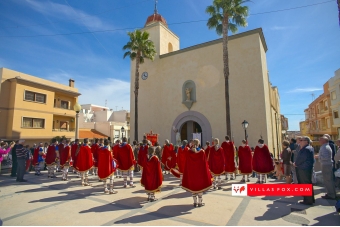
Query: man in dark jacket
[[14, 160], [304, 164], [21, 153]]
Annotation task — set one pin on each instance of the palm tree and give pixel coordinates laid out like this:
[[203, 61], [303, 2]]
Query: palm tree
[[139, 48], [227, 15]]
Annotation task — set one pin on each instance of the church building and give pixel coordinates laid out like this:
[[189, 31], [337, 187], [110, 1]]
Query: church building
[[184, 89]]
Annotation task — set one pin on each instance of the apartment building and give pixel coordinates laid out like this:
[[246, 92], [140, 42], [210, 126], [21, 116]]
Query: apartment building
[[334, 91], [35, 109]]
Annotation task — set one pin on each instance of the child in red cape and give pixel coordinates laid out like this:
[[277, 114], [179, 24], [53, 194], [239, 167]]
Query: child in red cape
[[52, 156], [167, 148], [181, 159], [126, 161], [229, 156], [196, 177], [262, 161], [84, 162], [106, 167], [74, 148], [152, 176], [171, 163], [65, 159], [94, 149], [216, 163], [115, 149], [143, 154], [207, 149], [245, 161]]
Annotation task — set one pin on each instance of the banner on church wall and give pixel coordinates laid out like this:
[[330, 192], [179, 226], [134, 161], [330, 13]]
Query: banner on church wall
[[197, 136], [153, 138]]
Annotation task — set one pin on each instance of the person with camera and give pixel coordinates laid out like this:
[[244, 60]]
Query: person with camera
[[4, 150]]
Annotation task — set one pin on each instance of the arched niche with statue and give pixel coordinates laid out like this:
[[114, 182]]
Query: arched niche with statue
[[189, 93]]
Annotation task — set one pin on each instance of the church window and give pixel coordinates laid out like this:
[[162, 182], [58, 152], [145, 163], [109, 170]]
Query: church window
[[170, 48]]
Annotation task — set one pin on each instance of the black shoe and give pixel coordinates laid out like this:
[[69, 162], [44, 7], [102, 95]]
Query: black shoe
[[22, 180], [219, 188], [201, 204], [195, 204], [243, 180]]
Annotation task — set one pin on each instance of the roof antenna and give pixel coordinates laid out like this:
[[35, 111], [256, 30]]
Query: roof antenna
[[156, 12], [313, 96]]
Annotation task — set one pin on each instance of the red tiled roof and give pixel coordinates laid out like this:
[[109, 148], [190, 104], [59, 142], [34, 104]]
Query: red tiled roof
[[91, 134], [155, 18]]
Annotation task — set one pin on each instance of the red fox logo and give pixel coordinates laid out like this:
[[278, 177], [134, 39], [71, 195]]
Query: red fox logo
[[242, 189], [236, 189]]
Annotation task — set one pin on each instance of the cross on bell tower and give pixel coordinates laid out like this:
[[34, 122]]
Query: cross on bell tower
[[155, 11]]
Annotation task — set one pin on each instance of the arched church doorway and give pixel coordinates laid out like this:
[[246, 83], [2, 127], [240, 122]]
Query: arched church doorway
[[190, 122], [188, 128]]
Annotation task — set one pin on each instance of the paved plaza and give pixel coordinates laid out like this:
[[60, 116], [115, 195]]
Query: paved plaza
[[43, 201]]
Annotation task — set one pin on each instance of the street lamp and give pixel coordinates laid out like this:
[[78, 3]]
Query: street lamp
[[122, 130], [245, 125], [77, 108]]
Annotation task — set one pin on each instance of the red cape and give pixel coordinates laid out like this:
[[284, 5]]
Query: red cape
[[172, 164], [196, 177], [142, 155], [84, 159], [65, 156], [229, 156], [216, 161], [166, 153], [152, 177], [51, 155], [262, 161], [115, 150], [125, 157], [36, 156], [73, 154], [207, 152], [105, 168], [60, 147], [94, 150], [245, 160], [181, 158]]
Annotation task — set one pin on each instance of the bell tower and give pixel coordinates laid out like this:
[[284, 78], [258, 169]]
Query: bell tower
[[164, 39]]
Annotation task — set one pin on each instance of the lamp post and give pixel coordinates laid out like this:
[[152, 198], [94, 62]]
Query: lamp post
[[77, 108], [245, 125], [122, 130]]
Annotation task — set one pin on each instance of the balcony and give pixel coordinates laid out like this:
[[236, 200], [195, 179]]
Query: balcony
[[64, 112], [63, 130], [68, 133]]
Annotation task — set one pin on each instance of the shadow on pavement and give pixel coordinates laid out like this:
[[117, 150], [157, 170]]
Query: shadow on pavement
[[163, 189], [165, 212], [123, 204], [179, 195], [332, 219]]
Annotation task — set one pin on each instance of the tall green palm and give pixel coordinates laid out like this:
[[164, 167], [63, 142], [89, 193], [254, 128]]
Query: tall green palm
[[227, 15], [139, 48]]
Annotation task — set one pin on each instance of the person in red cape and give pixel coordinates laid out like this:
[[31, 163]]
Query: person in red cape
[[196, 177], [65, 159], [189, 145], [207, 149], [143, 154], [52, 156], [262, 161], [126, 162], [171, 163], [94, 149], [38, 159], [152, 177], [60, 149], [167, 148], [84, 161], [229, 156], [245, 159], [216, 163], [181, 158], [107, 166], [115, 150], [74, 148]]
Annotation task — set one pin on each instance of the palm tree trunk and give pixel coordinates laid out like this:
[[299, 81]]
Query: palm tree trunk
[[136, 95], [226, 72]]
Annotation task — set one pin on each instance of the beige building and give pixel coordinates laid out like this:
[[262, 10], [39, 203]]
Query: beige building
[[35, 109], [184, 88], [105, 121], [334, 91]]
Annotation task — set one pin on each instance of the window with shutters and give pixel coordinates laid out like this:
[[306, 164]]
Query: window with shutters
[[28, 122], [34, 97]]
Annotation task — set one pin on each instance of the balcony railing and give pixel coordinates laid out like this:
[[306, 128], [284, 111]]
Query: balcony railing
[[63, 130]]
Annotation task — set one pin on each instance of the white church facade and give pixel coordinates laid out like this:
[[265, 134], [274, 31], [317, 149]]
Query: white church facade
[[184, 88]]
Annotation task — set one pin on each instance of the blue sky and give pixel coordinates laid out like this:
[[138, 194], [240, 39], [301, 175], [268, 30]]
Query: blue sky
[[303, 44]]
